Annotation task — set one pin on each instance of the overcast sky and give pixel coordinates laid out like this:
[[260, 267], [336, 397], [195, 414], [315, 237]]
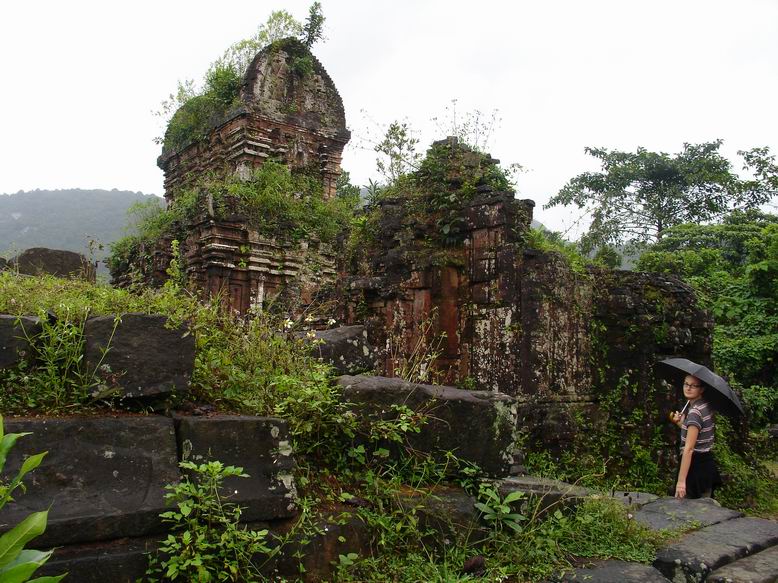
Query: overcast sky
[[80, 79]]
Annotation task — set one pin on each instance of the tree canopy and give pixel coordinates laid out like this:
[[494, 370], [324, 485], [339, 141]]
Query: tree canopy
[[638, 195], [733, 266]]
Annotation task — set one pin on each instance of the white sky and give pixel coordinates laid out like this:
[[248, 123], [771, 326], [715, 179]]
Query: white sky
[[80, 79]]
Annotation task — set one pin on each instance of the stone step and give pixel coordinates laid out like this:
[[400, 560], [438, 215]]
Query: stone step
[[695, 555], [761, 567], [616, 572], [672, 513]]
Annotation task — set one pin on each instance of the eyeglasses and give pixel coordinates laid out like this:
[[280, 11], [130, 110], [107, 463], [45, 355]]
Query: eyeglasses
[[691, 386]]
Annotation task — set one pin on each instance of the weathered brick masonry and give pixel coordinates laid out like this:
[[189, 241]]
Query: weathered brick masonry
[[560, 339], [283, 115]]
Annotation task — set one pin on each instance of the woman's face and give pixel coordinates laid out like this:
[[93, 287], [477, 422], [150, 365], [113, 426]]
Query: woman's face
[[692, 388]]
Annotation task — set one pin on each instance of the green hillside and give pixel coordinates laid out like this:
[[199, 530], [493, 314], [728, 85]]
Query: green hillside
[[64, 219]]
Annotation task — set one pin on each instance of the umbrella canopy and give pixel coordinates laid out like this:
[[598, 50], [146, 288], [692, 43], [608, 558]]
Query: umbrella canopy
[[717, 392]]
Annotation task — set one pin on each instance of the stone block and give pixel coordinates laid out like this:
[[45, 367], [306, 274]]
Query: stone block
[[761, 567], [15, 335], [139, 357], [103, 477], [40, 260], [695, 555], [448, 511], [488, 211], [476, 426], [347, 349], [616, 572], [672, 513], [338, 532], [120, 561], [481, 293], [633, 499], [542, 494], [260, 445]]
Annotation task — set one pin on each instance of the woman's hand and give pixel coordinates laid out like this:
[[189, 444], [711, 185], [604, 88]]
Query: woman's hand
[[680, 490], [677, 418]]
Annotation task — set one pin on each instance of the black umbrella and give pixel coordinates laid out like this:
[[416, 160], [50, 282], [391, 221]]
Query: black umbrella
[[717, 392]]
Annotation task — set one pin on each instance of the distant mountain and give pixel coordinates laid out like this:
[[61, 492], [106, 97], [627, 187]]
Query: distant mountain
[[65, 219]]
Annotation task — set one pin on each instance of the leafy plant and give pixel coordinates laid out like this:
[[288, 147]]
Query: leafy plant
[[544, 240], [56, 378], [207, 541], [18, 564], [497, 510]]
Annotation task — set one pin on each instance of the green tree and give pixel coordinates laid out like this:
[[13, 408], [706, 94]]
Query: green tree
[[344, 188], [194, 106], [280, 24], [733, 266], [637, 196], [397, 155], [313, 31]]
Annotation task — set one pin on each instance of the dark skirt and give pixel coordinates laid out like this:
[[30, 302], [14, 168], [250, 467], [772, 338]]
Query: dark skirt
[[703, 475]]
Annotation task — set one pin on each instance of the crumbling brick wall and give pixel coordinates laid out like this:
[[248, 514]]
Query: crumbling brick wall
[[559, 338]]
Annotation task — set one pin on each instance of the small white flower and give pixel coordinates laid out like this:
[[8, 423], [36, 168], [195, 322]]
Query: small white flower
[[331, 322], [309, 318], [288, 323], [311, 335]]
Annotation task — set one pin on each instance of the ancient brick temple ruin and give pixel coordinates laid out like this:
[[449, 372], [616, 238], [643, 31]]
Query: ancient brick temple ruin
[[504, 316], [286, 114], [499, 314]]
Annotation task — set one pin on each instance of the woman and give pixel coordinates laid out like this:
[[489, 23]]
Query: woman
[[697, 474]]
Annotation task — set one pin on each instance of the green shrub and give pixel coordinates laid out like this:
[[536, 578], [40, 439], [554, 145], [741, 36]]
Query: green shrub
[[207, 541], [274, 201], [762, 404], [200, 113], [544, 240], [748, 484]]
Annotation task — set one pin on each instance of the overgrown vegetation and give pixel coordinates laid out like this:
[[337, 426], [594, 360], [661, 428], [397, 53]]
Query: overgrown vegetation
[[260, 365], [207, 541], [192, 111], [433, 197], [273, 200]]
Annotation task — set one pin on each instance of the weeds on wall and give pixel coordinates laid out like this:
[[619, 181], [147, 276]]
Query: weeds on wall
[[273, 200], [544, 240], [434, 196], [207, 542], [413, 353], [262, 365], [192, 111]]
